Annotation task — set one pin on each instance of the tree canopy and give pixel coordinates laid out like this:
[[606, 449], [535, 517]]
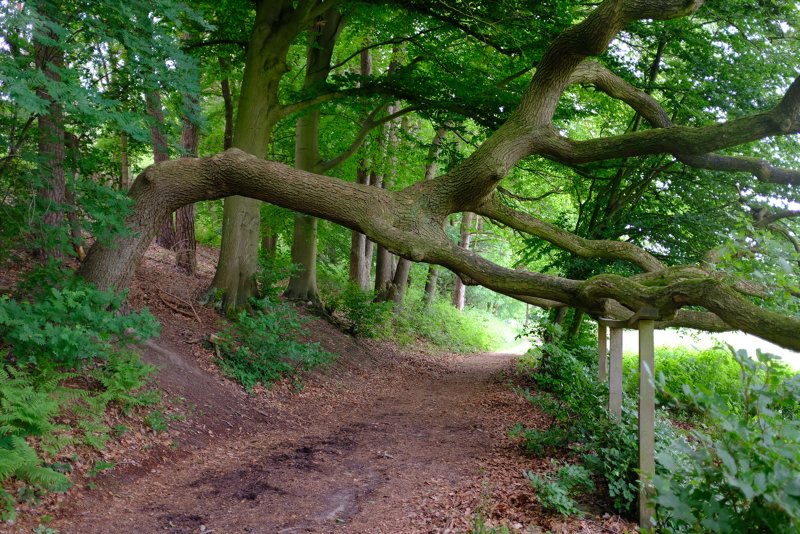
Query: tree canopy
[[631, 154]]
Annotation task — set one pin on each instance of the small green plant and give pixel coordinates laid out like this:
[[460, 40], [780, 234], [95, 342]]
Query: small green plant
[[98, 467], [156, 421], [557, 492], [262, 346]]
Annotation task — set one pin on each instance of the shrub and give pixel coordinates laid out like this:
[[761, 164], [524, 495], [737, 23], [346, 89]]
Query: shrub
[[557, 492], [740, 472], [678, 366], [359, 313], [262, 346], [52, 339], [70, 326]]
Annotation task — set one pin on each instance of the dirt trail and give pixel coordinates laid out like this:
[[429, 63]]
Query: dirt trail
[[358, 463]]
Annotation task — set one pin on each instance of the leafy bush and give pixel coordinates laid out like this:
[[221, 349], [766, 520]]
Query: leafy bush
[[740, 472], [557, 492], [262, 346], [52, 340], [70, 326], [359, 312], [679, 366]]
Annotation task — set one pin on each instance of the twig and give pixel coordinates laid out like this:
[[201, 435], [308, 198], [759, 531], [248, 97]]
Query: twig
[[183, 301], [173, 307]]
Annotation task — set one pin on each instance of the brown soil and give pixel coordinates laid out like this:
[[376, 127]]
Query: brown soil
[[384, 441]]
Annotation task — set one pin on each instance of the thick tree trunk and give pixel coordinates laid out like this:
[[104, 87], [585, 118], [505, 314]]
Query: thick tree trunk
[[430, 285], [397, 291], [321, 40], [52, 186], [265, 64], [460, 290], [303, 282], [166, 234], [185, 243], [124, 163]]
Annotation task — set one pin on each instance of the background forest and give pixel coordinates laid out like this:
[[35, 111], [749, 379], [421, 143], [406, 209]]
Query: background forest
[[391, 95]]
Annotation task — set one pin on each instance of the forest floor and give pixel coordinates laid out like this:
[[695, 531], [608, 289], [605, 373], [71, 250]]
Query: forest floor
[[386, 440]]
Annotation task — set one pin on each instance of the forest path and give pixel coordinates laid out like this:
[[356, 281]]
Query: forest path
[[386, 453]]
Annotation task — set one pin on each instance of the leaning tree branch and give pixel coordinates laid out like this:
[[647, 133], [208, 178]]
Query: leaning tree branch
[[494, 209], [591, 72]]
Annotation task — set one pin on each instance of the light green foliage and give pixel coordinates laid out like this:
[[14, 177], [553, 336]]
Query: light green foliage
[[557, 492], [714, 370], [262, 346], [740, 471], [445, 327]]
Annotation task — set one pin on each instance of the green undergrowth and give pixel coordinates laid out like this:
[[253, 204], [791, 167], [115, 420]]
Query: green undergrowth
[[65, 358], [440, 324], [264, 344], [736, 470]]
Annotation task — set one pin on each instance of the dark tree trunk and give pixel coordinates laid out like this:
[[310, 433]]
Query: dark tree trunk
[[124, 163], [166, 234], [227, 138], [52, 186], [185, 242]]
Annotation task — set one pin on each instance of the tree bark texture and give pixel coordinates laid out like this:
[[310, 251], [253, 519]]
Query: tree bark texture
[[166, 235], [257, 112], [185, 242], [409, 222], [52, 187]]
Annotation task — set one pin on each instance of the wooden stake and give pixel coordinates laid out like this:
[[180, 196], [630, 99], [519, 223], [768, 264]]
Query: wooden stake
[[615, 374], [647, 411], [602, 352]]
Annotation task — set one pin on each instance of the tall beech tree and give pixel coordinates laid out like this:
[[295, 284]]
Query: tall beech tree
[[409, 222]]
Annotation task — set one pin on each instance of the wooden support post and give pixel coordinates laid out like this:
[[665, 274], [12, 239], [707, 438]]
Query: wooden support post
[[615, 374], [647, 411], [602, 352]]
